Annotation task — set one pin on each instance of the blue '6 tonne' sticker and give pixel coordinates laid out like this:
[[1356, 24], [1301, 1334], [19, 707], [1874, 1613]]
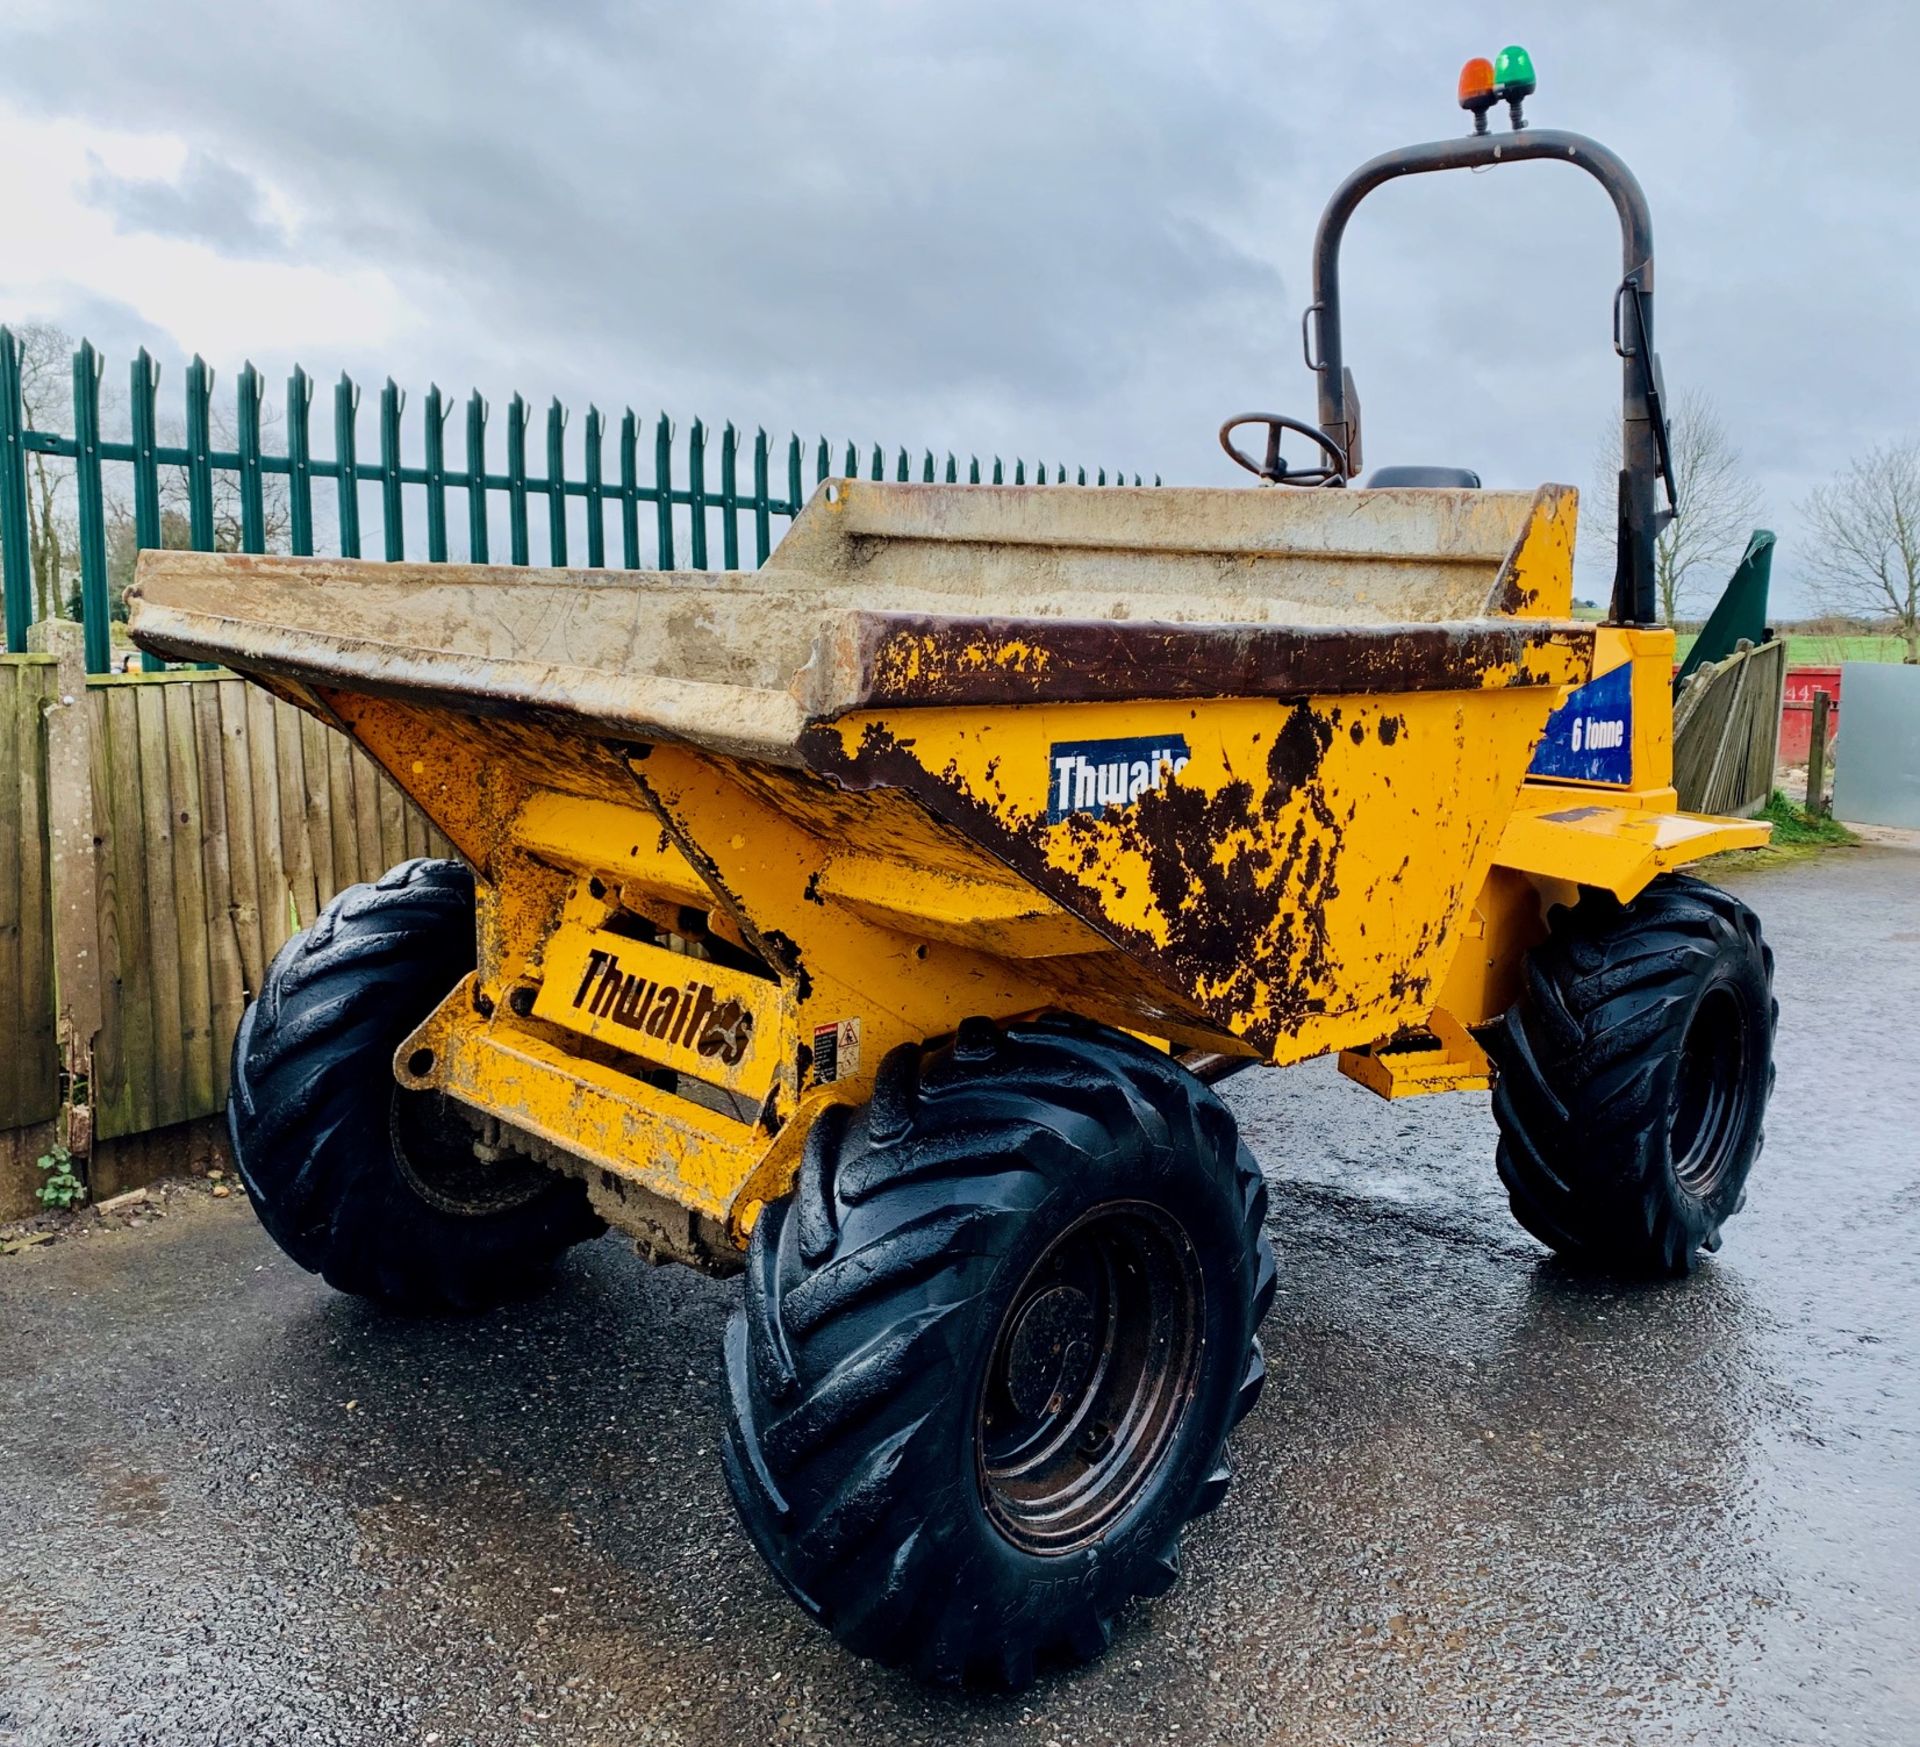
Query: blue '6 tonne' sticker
[[1589, 738], [1088, 776]]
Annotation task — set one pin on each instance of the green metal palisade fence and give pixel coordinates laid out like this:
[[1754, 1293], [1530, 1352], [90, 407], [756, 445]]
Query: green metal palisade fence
[[778, 485]]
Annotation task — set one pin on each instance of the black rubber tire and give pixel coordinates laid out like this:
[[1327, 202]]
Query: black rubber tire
[[1602, 1068], [874, 1300], [312, 1109]]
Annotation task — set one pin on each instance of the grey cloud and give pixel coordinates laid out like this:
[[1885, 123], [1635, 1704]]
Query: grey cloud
[[209, 202], [1078, 230]]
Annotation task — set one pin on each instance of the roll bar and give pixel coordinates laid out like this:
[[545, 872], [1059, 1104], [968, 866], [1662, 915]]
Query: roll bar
[[1644, 450]]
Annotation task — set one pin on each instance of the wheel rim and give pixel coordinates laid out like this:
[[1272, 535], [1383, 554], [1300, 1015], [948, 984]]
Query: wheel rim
[[1710, 1098], [436, 1155], [1095, 1362]]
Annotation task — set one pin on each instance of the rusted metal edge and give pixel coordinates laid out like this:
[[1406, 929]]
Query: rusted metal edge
[[885, 659], [1515, 590], [1211, 1066]]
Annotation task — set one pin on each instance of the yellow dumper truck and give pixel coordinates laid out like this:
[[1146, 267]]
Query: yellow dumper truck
[[876, 924]]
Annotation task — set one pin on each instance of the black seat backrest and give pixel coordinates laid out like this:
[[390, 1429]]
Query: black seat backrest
[[1457, 478]]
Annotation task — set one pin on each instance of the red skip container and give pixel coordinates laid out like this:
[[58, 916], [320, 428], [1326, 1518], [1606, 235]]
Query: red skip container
[[1796, 715]]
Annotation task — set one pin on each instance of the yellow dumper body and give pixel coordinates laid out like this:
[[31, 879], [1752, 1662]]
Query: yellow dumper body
[[1244, 772]]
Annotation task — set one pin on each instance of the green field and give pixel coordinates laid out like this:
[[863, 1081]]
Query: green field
[[1803, 648], [1805, 651]]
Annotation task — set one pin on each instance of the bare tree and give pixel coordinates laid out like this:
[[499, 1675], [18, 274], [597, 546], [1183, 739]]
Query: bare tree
[[228, 516], [1717, 503], [46, 384], [1866, 556], [123, 548], [46, 393]]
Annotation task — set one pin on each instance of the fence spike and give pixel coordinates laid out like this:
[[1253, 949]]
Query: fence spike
[[593, 437], [973, 470], [926, 472], [392, 524], [999, 472], [16, 572], [96, 613], [762, 503], [953, 471], [793, 474], [630, 490], [200, 454], [143, 382], [697, 495], [879, 463], [663, 492], [905, 470], [477, 538], [729, 498], [517, 412], [346, 407], [249, 392], [435, 441], [557, 482], [300, 462]]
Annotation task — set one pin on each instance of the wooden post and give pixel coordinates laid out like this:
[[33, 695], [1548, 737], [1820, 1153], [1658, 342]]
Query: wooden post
[[1817, 756], [72, 875]]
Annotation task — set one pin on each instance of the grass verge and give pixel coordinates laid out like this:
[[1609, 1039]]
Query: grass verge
[[1797, 834], [1794, 825]]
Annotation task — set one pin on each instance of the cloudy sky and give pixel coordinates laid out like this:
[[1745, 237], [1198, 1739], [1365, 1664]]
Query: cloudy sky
[[1071, 230]]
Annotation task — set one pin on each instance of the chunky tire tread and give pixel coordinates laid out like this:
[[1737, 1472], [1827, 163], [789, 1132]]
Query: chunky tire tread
[[872, 1297], [309, 1113], [1589, 1058]]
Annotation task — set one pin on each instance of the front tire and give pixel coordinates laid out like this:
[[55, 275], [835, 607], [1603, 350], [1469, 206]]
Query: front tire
[[372, 1187], [1634, 1076], [993, 1345]]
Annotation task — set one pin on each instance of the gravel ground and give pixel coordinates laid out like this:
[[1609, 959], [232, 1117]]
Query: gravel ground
[[1482, 1497]]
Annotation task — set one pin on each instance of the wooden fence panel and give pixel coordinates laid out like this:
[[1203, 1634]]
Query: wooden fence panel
[[159, 939], [225, 819], [1726, 731], [221, 912], [279, 880], [29, 1059], [317, 805], [124, 1067]]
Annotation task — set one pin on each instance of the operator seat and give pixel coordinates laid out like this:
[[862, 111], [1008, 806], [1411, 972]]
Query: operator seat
[[1430, 478]]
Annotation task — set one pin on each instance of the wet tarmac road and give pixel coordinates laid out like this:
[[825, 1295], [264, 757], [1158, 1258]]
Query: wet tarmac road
[[1481, 1499]]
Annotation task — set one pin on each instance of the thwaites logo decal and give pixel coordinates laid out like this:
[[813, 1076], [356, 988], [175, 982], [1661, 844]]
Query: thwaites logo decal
[[1589, 738], [690, 1016], [1088, 776]]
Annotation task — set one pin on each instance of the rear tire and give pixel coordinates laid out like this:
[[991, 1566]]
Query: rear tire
[[1634, 1076], [993, 1345], [366, 1184]]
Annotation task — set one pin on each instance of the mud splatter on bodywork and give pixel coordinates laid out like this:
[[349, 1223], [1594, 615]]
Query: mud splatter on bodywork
[[1226, 887]]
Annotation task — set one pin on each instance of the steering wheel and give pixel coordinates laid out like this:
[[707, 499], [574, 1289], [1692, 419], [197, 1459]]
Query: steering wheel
[[1276, 471]]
